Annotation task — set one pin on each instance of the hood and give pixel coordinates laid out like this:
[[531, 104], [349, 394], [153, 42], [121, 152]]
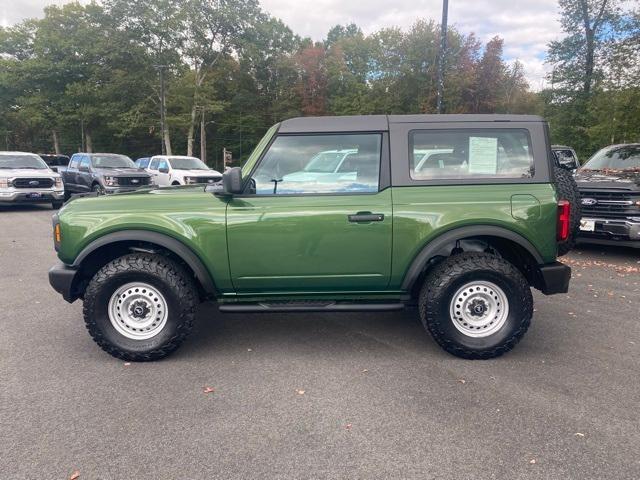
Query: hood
[[198, 173], [28, 172], [609, 179], [121, 172]]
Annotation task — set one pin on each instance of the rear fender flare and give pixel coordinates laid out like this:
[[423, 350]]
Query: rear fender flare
[[435, 246]]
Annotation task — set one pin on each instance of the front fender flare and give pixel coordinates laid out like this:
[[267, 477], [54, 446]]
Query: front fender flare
[[165, 241]]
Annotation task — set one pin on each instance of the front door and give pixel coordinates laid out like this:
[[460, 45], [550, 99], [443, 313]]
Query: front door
[[311, 220]]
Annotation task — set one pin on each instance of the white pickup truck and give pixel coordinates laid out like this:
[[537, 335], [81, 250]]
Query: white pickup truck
[[26, 178]]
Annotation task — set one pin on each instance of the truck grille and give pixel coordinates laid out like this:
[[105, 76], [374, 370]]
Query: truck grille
[[133, 181], [612, 204], [207, 179], [32, 182]]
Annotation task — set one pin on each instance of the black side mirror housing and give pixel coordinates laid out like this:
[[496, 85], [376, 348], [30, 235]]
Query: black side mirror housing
[[163, 170], [232, 181]]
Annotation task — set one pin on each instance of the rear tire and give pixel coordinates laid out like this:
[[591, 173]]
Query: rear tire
[[476, 305], [567, 189], [140, 307]]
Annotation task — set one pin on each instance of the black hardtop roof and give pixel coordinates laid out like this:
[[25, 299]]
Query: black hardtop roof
[[372, 123]]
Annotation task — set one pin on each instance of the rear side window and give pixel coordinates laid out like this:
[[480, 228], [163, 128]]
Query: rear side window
[[460, 154]]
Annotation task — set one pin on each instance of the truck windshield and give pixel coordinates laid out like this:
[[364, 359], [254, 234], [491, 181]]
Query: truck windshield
[[111, 160], [32, 162], [188, 163], [624, 157]]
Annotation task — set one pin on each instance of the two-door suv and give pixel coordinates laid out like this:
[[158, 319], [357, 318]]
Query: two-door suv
[[455, 214]]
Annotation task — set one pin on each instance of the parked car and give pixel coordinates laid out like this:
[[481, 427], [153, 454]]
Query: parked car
[[143, 162], [565, 157], [26, 178], [103, 173], [181, 170], [55, 162], [609, 184], [464, 239]]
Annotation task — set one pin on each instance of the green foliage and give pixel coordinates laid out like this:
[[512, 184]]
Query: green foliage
[[90, 74]]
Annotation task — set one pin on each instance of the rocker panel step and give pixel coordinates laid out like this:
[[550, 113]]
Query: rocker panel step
[[309, 307]]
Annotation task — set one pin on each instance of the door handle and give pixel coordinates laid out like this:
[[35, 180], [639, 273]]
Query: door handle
[[362, 217]]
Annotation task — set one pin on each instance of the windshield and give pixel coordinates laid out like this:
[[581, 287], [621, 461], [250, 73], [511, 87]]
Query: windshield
[[22, 161], [188, 163], [111, 160], [625, 157]]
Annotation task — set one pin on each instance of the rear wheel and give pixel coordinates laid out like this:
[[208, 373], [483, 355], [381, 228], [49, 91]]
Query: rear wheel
[[567, 189], [476, 305], [140, 307]]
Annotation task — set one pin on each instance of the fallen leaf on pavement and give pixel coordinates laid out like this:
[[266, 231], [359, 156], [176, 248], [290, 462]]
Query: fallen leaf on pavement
[[532, 461], [209, 390], [578, 434], [300, 392], [75, 475], [126, 364], [462, 380], [347, 426]]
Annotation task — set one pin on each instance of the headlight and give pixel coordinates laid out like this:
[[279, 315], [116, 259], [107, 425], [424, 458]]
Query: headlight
[[190, 180], [4, 182], [110, 181], [58, 183]]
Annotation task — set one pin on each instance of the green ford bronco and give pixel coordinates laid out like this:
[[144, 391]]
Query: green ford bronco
[[457, 215]]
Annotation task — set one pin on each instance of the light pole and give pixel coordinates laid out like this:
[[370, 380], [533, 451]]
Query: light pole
[[441, 57]]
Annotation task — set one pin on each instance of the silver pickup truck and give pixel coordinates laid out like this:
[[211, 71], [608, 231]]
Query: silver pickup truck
[[26, 178]]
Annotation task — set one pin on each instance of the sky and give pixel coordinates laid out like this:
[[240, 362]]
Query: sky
[[526, 26]]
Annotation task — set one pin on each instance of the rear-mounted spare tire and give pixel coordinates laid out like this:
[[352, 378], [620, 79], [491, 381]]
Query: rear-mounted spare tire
[[567, 189]]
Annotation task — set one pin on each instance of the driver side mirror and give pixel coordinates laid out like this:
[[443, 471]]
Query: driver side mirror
[[163, 170], [232, 181]]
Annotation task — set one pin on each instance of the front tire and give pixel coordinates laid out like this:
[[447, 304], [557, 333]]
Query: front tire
[[476, 305], [57, 204], [140, 307], [99, 189]]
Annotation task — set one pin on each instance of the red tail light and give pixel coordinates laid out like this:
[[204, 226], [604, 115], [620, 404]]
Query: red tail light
[[564, 217]]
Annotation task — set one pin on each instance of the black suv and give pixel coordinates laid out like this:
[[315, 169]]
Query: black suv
[[103, 173], [609, 185]]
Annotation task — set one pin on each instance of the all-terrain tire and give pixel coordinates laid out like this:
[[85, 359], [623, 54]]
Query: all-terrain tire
[[163, 274], [567, 189], [444, 282]]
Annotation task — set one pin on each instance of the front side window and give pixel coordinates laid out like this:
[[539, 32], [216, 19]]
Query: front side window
[[112, 160], [154, 164], [461, 154], [85, 162], [315, 164]]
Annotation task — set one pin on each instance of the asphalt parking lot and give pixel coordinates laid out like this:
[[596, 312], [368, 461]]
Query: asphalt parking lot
[[318, 396]]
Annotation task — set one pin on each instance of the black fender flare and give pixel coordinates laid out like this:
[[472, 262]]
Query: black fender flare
[[435, 245], [165, 241]]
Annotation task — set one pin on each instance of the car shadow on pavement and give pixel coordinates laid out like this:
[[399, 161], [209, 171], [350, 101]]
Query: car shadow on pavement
[[26, 207], [313, 332]]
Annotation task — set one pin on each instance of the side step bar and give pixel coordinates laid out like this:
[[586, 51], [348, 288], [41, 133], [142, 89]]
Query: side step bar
[[309, 307]]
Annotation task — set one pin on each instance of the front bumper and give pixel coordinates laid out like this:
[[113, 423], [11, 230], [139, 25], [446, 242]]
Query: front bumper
[[613, 231], [30, 195], [553, 278], [110, 190], [62, 278]]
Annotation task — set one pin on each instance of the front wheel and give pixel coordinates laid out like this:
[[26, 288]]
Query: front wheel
[[99, 189], [476, 305], [140, 307], [57, 204]]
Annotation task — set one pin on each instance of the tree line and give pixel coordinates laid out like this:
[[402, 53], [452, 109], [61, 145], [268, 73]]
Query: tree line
[[98, 77]]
